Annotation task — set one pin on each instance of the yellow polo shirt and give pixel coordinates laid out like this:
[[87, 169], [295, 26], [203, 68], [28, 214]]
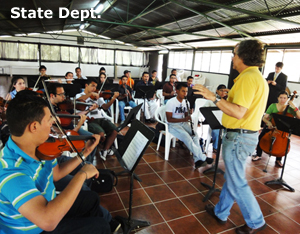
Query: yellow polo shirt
[[250, 90]]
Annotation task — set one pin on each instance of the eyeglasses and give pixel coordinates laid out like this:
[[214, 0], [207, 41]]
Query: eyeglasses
[[61, 94]]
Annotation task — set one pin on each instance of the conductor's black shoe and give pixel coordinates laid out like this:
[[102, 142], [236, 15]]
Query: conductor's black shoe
[[246, 230], [200, 163], [114, 225], [209, 160], [210, 209]]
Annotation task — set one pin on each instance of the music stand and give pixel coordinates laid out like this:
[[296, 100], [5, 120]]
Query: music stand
[[130, 117], [291, 126], [80, 82], [111, 87], [212, 115], [129, 154], [72, 89], [144, 92]]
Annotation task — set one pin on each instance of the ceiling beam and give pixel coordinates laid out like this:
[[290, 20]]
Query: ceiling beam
[[240, 10], [142, 14], [70, 7], [36, 7], [11, 23], [208, 17], [158, 29]]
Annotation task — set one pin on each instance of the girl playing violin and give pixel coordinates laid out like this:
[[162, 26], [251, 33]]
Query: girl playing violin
[[273, 109], [17, 84]]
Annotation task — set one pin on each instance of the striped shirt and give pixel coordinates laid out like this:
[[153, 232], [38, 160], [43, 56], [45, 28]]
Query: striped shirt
[[21, 179]]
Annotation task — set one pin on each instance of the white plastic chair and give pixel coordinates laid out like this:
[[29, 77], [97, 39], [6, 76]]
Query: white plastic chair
[[161, 98], [128, 108], [197, 116], [160, 116]]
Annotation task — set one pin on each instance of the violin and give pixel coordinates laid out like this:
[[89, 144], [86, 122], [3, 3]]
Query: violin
[[66, 118], [274, 142], [56, 144]]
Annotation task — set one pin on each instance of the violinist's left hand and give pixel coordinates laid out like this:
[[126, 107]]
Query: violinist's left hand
[[116, 94], [91, 144], [82, 119], [93, 107]]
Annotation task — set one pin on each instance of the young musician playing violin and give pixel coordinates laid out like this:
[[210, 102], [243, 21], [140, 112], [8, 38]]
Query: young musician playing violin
[[17, 84], [28, 199], [273, 109], [105, 128], [57, 95], [125, 97], [178, 117]]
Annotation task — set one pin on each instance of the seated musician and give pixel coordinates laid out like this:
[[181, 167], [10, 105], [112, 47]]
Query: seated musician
[[273, 109], [57, 96], [105, 128], [189, 81], [151, 104], [221, 92], [17, 84], [78, 74], [178, 117], [69, 77], [169, 89], [28, 198], [125, 97], [102, 79], [130, 81]]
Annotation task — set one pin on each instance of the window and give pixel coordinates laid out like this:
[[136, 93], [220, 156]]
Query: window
[[50, 52], [290, 59], [217, 61], [181, 59], [69, 54], [9, 50]]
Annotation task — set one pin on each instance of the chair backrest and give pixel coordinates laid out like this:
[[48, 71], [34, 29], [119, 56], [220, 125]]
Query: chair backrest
[[200, 102], [160, 114]]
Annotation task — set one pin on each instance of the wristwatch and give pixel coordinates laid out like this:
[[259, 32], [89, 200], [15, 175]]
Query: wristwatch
[[217, 100]]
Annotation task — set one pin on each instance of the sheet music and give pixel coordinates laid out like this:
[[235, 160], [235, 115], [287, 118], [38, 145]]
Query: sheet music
[[218, 114], [134, 149]]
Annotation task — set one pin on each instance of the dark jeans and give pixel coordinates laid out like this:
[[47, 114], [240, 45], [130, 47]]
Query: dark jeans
[[258, 149], [85, 216]]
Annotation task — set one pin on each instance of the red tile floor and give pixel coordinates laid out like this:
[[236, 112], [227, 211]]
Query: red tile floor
[[170, 194]]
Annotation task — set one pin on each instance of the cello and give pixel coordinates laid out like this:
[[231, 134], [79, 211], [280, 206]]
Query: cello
[[274, 142]]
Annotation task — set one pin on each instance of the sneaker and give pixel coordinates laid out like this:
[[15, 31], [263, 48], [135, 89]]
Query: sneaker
[[103, 155], [210, 209], [256, 157], [110, 152], [215, 151], [122, 122], [114, 226], [200, 163], [209, 160]]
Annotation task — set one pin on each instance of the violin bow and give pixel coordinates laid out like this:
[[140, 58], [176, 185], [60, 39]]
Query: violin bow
[[79, 155]]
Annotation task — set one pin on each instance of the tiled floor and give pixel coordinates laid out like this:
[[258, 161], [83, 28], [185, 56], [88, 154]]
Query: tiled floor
[[170, 194]]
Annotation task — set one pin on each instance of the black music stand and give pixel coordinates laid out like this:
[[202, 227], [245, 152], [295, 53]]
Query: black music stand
[[72, 89], [80, 82], [144, 92], [291, 126], [129, 154], [210, 115], [130, 117]]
